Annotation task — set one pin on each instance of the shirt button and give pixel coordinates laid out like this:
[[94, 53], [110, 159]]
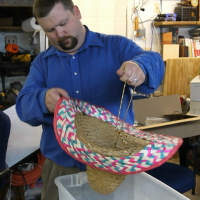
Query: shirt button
[[77, 91], [75, 73], [73, 57]]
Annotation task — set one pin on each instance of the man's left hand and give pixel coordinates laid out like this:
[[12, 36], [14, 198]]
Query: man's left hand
[[131, 73]]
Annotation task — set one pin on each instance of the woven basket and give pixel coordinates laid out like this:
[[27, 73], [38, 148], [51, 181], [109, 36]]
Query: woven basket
[[97, 138], [103, 182]]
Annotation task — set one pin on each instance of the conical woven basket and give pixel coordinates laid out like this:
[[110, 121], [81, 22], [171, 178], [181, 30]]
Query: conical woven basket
[[93, 136], [99, 137]]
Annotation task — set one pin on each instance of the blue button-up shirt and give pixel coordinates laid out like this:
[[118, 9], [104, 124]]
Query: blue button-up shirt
[[88, 75]]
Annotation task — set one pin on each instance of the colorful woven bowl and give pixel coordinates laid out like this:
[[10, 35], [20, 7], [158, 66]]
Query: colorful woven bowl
[[96, 137]]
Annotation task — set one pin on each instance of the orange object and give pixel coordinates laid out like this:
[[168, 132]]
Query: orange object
[[30, 177], [13, 48], [137, 26]]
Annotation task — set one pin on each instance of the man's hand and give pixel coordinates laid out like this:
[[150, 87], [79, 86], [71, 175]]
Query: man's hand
[[52, 96], [131, 73]]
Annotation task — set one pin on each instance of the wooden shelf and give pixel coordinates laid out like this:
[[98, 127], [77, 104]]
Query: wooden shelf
[[177, 23], [15, 15], [14, 5], [11, 27]]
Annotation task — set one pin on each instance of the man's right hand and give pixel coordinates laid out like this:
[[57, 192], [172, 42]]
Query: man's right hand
[[52, 96]]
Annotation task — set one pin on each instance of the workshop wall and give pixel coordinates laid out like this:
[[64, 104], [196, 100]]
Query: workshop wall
[[92, 11], [152, 39], [16, 11]]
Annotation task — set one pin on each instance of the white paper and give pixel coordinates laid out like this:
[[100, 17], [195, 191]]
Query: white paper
[[24, 139]]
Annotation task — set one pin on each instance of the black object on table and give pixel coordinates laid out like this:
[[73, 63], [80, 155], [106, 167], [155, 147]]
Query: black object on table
[[10, 69]]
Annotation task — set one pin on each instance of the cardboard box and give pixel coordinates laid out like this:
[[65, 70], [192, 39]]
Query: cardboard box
[[170, 51], [166, 106], [167, 38]]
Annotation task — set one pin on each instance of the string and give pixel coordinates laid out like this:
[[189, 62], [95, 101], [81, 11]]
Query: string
[[121, 100], [129, 104], [118, 132]]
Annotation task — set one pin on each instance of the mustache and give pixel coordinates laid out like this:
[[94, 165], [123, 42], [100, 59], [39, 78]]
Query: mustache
[[64, 38]]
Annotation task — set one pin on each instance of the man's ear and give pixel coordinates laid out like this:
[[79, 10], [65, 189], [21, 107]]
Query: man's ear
[[77, 12]]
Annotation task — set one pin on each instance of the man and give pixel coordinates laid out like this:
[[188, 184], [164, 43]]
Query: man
[[84, 65]]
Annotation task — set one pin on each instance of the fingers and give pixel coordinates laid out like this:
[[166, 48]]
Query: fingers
[[62, 92], [135, 79], [120, 72], [131, 73], [52, 96]]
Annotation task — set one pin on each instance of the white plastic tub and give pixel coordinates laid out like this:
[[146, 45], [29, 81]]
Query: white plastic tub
[[140, 186]]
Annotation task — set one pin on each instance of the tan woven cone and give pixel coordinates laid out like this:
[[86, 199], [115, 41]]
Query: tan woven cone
[[103, 182], [99, 136]]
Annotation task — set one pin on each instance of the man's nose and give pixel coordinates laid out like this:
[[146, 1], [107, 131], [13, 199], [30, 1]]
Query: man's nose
[[60, 32]]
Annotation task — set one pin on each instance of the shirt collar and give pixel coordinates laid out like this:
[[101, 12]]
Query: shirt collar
[[91, 39]]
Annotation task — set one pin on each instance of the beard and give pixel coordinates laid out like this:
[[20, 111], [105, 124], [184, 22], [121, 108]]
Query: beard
[[68, 42]]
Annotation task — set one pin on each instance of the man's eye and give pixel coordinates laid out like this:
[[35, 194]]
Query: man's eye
[[62, 24], [49, 31]]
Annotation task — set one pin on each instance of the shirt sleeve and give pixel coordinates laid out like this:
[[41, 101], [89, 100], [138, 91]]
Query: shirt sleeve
[[150, 62], [153, 67], [32, 97]]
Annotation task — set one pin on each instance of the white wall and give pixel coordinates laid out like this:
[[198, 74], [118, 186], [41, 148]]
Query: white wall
[[105, 16]]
